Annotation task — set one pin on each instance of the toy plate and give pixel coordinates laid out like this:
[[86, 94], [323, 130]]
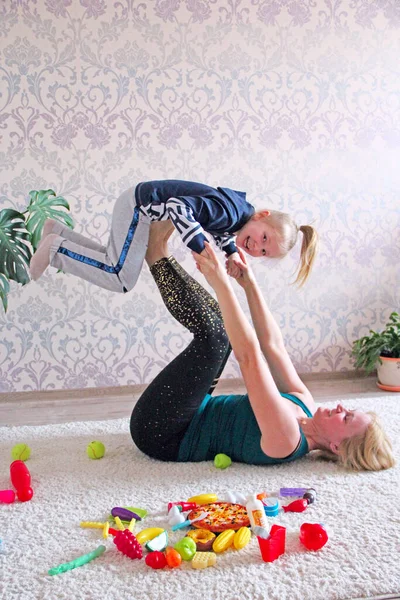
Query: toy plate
[[221, 516]]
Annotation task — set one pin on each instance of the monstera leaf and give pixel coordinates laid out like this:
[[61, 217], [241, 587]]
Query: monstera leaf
[[4, 289], [15, 253], [43, 205], [19, 232]]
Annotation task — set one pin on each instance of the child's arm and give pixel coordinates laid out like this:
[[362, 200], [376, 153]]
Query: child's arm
[[192, 232]]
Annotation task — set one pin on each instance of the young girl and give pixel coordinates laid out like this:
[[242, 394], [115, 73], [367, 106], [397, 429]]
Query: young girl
[[193, 209]]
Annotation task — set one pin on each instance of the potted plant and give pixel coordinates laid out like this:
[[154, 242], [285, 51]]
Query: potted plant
[[20, 234], [381, 351]]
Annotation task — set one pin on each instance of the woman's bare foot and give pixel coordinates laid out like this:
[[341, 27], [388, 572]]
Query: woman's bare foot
[[160, 232]]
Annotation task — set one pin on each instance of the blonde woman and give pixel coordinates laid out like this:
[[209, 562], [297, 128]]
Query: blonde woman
[[178, 418]]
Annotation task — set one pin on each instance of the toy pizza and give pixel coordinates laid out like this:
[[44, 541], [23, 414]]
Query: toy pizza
[[221, 516]]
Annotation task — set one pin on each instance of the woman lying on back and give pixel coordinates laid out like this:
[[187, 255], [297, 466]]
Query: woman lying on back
[[277, 421]]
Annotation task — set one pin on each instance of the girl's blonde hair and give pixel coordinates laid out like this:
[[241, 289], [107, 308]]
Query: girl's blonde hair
[[287, 231], [369, 451]]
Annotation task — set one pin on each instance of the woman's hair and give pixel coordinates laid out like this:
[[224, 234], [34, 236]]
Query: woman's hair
[[369, 451], [287, 231]]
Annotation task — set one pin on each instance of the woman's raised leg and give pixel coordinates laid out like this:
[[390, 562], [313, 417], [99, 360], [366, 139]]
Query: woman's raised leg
[[164, 411]]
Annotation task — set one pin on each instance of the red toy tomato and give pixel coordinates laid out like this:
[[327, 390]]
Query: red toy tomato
[[173, 557], [156, 560], [313, 535]]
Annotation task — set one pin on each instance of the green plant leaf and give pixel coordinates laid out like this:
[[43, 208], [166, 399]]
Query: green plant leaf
[[15, 253], [4, 289], [43, 205], [367, 350]]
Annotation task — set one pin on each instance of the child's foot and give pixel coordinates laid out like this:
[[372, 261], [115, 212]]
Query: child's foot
[[50, 226], [41, 259]]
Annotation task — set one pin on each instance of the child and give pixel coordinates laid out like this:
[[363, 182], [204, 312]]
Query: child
[[193, 209]]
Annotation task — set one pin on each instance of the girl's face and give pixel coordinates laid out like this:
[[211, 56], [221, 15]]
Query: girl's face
[[338, 424], [258, 238]]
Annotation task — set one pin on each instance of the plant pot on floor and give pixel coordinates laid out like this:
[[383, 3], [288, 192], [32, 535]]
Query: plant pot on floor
[[389, 374]]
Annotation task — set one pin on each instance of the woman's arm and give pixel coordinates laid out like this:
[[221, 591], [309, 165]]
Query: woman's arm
[[270, 336], [276, 419]]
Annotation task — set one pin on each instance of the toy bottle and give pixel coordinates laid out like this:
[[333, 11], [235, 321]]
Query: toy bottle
[[21, 480], [255, 512]]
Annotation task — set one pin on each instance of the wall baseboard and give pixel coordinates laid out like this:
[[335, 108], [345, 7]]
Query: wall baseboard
[[134, 391]]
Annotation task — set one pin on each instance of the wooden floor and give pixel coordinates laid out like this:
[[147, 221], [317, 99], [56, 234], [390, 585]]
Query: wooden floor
[[41, 408]]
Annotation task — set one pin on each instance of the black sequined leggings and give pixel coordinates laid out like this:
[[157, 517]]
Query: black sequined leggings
[[164, 411]]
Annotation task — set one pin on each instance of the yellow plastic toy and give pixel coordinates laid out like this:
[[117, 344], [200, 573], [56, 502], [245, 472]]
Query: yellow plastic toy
[[241, 538], [204, 498], [92, 525], [148, 534], [224, 540], [202, 560]]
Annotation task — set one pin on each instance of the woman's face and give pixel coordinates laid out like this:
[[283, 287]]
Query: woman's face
[[338, 424]]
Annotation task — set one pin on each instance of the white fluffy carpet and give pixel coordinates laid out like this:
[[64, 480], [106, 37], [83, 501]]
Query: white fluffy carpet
[[360, 511]]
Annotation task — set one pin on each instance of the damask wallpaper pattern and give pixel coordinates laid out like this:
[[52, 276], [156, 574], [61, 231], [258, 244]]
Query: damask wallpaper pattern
[[295, 102]]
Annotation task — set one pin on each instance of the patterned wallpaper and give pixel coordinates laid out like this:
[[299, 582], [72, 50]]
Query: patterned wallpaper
[[295, 102]]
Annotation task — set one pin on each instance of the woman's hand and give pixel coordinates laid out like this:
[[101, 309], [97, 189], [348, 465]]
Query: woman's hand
[[209, 265], [246, 276]]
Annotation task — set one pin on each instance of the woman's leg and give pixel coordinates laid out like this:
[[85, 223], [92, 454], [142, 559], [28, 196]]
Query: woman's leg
[[198, 290], [164, 411]]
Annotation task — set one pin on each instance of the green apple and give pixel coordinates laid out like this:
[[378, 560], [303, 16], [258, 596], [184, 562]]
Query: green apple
[[186, 548]]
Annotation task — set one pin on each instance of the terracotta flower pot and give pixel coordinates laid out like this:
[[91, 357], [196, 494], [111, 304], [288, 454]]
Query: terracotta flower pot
[[389, 374]]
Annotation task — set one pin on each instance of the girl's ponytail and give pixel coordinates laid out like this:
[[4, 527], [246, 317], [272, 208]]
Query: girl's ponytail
[[307, 254]]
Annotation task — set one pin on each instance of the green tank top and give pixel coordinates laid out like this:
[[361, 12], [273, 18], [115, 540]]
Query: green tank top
[[227, 424]]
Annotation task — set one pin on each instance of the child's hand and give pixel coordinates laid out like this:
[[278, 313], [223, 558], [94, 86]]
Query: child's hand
[[209, 265], [245, 276], [234, 265]]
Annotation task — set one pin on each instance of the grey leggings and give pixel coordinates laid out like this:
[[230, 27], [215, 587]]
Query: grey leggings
[[164, 411]]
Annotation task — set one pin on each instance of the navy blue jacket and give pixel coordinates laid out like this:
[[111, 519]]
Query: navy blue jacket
[[195, 208]]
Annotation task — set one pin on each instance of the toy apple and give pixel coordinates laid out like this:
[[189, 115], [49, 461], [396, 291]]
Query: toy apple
[[186, 548]]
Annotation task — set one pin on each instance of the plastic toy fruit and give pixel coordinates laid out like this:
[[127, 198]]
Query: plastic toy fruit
[[313, 535], [160, 542], [186, 548], [174, 559], [156, 560], [128, 544]]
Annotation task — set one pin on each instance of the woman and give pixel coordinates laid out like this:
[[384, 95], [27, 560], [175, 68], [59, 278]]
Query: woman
[[277, 421]]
